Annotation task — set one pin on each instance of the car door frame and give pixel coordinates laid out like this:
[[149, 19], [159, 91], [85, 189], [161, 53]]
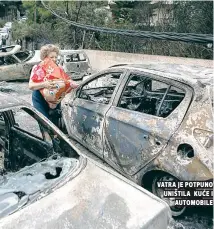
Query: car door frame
[[75, 97], [187, 100], [12, 128]]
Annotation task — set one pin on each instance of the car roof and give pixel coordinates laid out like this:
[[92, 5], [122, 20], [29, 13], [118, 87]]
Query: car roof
[[69, 52], [8, 101], [185, 73]]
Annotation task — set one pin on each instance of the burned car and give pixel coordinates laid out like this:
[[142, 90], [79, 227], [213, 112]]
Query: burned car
[[15, 64], [149, 122], [75, 63], [47, 182], [4, 32]]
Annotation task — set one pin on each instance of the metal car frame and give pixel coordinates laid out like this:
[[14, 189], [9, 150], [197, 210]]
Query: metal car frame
[[74, 65], [141, 146], [87, 196], [12, 67]]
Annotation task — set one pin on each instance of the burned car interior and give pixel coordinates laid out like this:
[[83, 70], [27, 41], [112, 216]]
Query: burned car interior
[[150, 96], [100, 89], [27, 145], [75, 57], [7, 60], [75, 63], [141, 94], [33, 158], [13, 55]]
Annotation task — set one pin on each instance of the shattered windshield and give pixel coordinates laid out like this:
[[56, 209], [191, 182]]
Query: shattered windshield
[[33, 161]]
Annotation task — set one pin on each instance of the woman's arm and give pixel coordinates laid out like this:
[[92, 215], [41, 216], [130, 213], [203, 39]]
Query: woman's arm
[[40, 85], [73, 84], [36, 79], [36, 86]]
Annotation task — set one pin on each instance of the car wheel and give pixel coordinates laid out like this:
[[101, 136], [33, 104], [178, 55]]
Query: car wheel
[[176, 210]]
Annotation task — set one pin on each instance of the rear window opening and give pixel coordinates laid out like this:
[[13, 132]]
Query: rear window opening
[[149, 96], [76, 57], [34, 160]]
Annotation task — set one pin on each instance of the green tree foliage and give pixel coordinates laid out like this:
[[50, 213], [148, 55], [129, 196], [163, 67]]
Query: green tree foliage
[[193, 17], [180, 16], [7, 6], [36, 12], [2, 23]]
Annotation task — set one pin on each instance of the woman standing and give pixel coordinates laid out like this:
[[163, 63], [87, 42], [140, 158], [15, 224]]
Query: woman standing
[[48, 51]]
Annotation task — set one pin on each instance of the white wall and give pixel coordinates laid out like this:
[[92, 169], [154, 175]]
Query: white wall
[[103, 59]]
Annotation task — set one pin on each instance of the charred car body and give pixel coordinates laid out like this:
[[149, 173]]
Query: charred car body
[[15, 64], [46, 182], [75, 63], [149, 122], [4, 32]]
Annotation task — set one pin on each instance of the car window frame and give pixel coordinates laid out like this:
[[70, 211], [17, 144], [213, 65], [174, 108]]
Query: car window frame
[[85, 57], [13, 123], [99, 74], [173, 82], [19, 61], [77, 53], [5, 120], [14, 57]]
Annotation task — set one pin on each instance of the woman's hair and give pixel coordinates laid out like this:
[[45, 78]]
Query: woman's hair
[[47, 49]]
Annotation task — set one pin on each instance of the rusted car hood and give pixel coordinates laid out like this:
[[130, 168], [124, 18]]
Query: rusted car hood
[[93, 199]]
